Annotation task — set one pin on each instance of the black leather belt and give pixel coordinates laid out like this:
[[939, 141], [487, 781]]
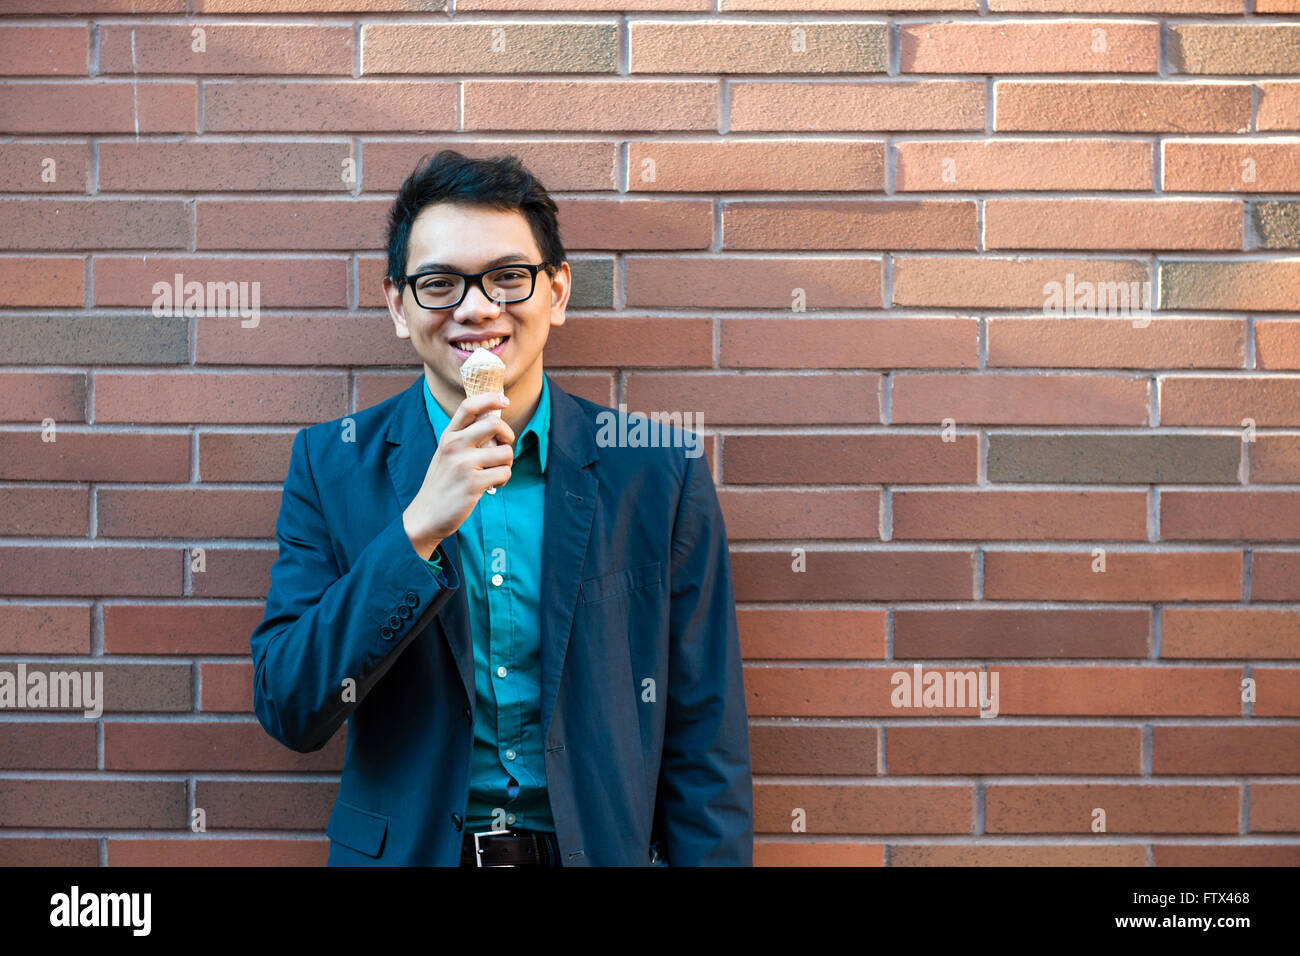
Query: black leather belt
[[509, 847]]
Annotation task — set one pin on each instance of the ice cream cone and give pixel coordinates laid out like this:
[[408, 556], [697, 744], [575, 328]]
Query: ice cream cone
[[483, 372]]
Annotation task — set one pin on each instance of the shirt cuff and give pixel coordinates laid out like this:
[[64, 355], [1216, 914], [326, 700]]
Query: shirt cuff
[[435, 561]]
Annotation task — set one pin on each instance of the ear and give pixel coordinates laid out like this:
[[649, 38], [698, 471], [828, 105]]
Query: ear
[[561, 286], [393, 298]]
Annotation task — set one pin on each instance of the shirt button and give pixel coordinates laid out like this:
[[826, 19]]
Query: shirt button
[[492, 491], [510, 818], [497, 579], [501, 672], [510, 755]]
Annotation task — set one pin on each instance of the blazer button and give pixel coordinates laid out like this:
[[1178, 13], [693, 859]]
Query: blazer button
[[468, 715], [457, 821], [412, 599], [403, 611], [386, 633], [394, 622]]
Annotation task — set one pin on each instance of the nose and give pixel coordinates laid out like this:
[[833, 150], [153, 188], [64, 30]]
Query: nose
[[476, 302]]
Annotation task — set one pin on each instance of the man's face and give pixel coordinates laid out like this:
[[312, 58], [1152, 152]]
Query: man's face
[[469, 239]]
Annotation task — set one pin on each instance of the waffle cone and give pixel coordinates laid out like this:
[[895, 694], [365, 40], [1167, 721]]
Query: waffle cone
[[479, 380]]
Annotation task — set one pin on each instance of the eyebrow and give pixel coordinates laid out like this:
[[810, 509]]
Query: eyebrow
[[499, 260]]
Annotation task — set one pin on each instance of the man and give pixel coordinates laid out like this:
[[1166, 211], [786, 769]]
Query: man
[[532, 640]]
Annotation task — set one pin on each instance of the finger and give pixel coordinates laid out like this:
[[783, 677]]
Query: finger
[[480, 431], [492, 455], [494, 477], [474, 406]]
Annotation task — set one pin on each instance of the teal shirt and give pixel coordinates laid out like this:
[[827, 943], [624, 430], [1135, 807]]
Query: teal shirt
[[501, 562]]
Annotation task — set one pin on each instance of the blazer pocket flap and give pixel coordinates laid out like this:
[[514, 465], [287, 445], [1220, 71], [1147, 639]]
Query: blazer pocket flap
[[617, 582], [358, 829]]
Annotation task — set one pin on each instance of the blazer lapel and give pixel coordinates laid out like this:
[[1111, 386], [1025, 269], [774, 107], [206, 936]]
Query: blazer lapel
[[412, 444], [570, 507]]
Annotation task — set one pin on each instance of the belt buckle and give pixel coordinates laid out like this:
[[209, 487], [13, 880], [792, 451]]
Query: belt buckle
[[478, 850]]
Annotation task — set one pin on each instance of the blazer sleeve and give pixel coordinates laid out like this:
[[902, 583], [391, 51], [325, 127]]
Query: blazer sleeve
[[322, 628], [704, 810]]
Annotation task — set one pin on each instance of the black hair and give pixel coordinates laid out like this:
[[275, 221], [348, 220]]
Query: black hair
[[500, 182]]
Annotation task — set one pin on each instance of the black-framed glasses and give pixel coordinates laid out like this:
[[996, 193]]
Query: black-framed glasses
[[502, 284]]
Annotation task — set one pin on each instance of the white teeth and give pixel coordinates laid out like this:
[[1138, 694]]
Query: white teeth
[[484, 344]]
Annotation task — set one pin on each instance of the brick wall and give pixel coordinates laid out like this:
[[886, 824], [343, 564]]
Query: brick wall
[[831, 232]]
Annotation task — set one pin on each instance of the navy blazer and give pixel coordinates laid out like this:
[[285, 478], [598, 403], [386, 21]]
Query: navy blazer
[[642, 701]]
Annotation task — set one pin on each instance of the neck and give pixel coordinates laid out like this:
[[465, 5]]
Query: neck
[[524, 394]]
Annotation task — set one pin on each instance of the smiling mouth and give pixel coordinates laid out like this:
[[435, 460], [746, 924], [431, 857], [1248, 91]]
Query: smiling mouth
[[493, 345]]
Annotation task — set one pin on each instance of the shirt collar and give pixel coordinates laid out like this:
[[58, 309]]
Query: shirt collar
[[539, 424]]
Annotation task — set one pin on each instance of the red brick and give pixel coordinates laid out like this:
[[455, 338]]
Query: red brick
[[267, 106], [190, 628], [854, 808], [44, 512], [759, 398], [1128, 576], [876, 575], [225, 167], [1217, 166], [44, 628], [1113, 224], [32, 397], [187, 512], [1025, 164], [1132, 808], [636, 224], [205, 851], [1230, 515], [291, 224], [255, 456], [44, 51], [848, 224], [1082, 342], [1055, 854], [770, 282], [882, 106], [808, 853], [93, 223], [849, 459], [1233, 633], [1034, 46], [279, 48], [630, 341], [858, 343], [93, 804], [23, 167], [1014, 749], [607, 105], [227, 745], [42, 282], [803, 513], [1268, 400], [1060, 106], [563, 165], [94, 456], [805, 633], [999, 282], [227, 688], [1019, 515], [757, 166], [1226, 750], [188, 397], [1274, 807], [96, 571], [1019, 399], [1121, 691], [126, 106], [1020, 632]]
